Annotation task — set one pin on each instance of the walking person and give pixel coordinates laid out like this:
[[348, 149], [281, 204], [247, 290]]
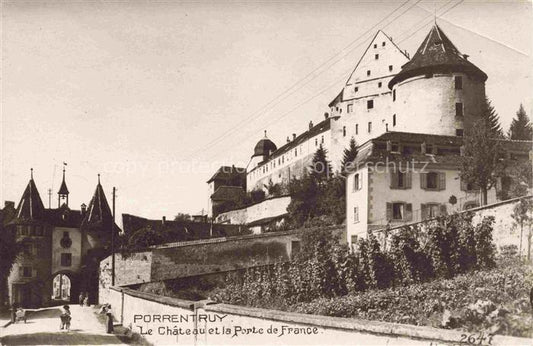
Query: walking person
[[81, 299], [65, 318]]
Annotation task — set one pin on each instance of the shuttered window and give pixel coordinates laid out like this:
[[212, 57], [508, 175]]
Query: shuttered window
[[357, 182], [432, 210], [399, 211], [434, 181], [400, 180]]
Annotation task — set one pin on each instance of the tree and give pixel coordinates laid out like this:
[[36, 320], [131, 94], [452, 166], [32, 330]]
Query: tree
[[320, 169], [492, 119], [10, 250], [520, 127], [182, 217], [481, 162], [349, 156]]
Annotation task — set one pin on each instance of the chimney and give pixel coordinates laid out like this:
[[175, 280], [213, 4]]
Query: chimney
[[310, 125], [389, 146], [288, 139], [164, 220], [83, 209], [9, 205], [326, 115], [465, 56], [293, 136]]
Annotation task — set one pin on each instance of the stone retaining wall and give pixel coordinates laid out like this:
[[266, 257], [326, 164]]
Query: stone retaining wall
[[236, 325]]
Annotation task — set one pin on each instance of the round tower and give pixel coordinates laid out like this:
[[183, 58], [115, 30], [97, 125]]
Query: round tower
[[438, 91], [262, 151]]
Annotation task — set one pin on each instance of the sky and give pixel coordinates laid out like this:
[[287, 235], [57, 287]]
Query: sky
[[156, 95]]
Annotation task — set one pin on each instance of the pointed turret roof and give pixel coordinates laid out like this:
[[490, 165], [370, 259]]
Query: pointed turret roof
[[98, 213], [437, 54], [63, 190], [31, 206]]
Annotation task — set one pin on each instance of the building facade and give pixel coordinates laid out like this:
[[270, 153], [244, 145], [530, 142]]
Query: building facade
[[61, 247]]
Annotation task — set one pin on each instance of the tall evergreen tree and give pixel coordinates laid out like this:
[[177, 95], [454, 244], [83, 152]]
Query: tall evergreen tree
[[480, 162], [520, 126], [320, 169], [492, 119], [349, 156]]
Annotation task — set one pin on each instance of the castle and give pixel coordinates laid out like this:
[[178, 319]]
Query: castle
[[394, 104], [62, 247]]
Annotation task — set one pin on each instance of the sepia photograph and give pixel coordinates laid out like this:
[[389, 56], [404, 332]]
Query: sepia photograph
[[303, 172]]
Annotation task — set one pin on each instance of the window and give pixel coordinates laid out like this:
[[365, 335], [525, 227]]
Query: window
[[400, 180], [376, 56], [433, 181], [383, 44], [432, 210], [66, 259], [458, 109], [395, 147], [354, 240], [349, 109], [399, 211], [316, 142], [26, 272], [458, 83], [355, 214], [368, 73], [379, 85], [356, 89], [375, 46], [394, 95], [390, 68], [27, 249], [357, 184], [369, 126], [459, 132], [344, 131], [322, 139], [296, 152], [369, 104], [295, 246], [356, 129], [394, 120]]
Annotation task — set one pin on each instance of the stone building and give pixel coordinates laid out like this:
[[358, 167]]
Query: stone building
[[61, 247]]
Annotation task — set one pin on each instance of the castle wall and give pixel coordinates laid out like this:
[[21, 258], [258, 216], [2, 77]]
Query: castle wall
[[271, 207], [284, 167]]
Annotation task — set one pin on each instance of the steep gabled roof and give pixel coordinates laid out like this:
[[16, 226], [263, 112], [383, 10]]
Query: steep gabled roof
[[98, 213], [437, 54], [31, 206], [228, 173]]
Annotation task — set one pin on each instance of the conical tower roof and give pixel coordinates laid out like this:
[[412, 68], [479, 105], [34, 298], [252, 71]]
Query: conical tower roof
[[437, 54], [98, 213], [30, 207], [63, 190]]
